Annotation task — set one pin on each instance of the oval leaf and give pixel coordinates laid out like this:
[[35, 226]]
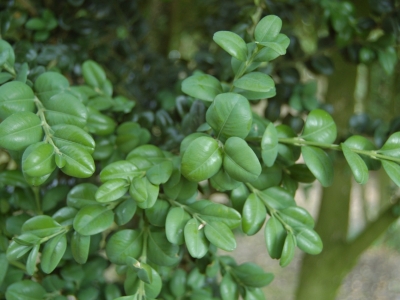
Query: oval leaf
[[254, 213], [319, 164], [275, 235], [195, 239], [231, 43], [356, 163], [220, 235], [319, 127], [309, 241], [269, 145], [93, 219], [204, 87]]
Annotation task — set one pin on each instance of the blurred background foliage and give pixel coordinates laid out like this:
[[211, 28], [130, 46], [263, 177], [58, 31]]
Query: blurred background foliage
[[343, 57]]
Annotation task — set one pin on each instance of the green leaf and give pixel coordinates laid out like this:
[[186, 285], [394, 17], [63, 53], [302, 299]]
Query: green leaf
[[99, 123], [255, 81], [240, 162], [4, 264], [309, 241], [359, 142], [231, 43], [144, 192], [391, 146], [177, 284], [275, 235], [269, 177], [71, 135], [100, 103], [93, 73], [4, 77], [357, 165], [52, 253], [230, 115], [268, 28], [25, 290], [65, 216], [319, 127], [123, 244], [219, 234], [80, 246], [297, 217], [195, 239], [175, 223], [223, 182], [81, 195], [93, 219], [160, 251], [125, 211], [254, 294], [41, 226], [287, 154], [36, 24], [160, 173], [204, 87], [148, 151], [38, 160], [202, 159], [78, 162], [49, 84], [32, 259], [157, 214], [7, 56], [393, 170], [20, 130], [219, 212], [319, 164], [228, 288], [122, 169], [288, 250], [269, 145], [252, 275], [15, 97], [388, 59], [254, 213], [272, 49], [112, 190], [301, 173], [150, 290], [54, 196]]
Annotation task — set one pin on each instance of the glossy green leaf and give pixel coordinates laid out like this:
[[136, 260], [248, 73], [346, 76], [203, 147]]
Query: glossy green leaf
[[228, 288], [15, 97], [148, 151], [219, 212], [65, 216], [204, 87], [252, 275], [81, 195], [231, 43], [20, 130], [269, 177], [93, 73], [309, 241], [319, 164], [32, 259], [240, 162], [230, 115], [64, 135], [99, 123], [80, 245], [122, 169], [393, 170], [151, 290], [189, 139], [297, 217], [254, 213], [38, 160], [202, 159], [125, 211], [269, 145], [267, 28], [144, 192], [157, 214], [287, 154], [4, 264], [52, 253], [255, 81], [182, 190], [17, 249], [123, 244], [223, 182], [112, 190], [357, 165], [41, 226], [275, 235], [93, 219], [78, 162], [175, 223], [4, 77], [391, 146], [25, 290], [160, 173], [65, 109], [160, 251], [49, 84], [238, 197], [54, 196], [195, 239], [254, 294], [362, 143], [288, 250], [7, 55], [177, 284], [13, 177], [219, 234], [319, 127], [272, 49], [100, 103]]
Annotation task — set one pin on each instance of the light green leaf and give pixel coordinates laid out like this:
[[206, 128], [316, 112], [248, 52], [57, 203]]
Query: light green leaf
[[160, 251], [357, 165], [359, 142], [41, 226], [223, 182], [38, 160], [228, 288], [240, 162], [25, 290], [112, 190], [157, 214], [319, 164], [230, 115], [160, 173], [288, 250], [252, 275], [175, 223], [93, 219], [393, 170], [204, 87], [202, 159], [32, 259], [49, 84], [125, 211], [20, 130], [99, 123], [269, 145], [80, 246], [123, 244], [254, 213], [255, 81], [309, 241], [81, 195], [78, 162], [144, 192], [52, 253], [93, 73], [218, 212], [388, 59], [275, 235], [391, 146], [195, 239], [219, 234], [64, 135], [297, 217], [268, 28], [231, 43], [319, 127], [122, 169], [15, 97], [272, 49]]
